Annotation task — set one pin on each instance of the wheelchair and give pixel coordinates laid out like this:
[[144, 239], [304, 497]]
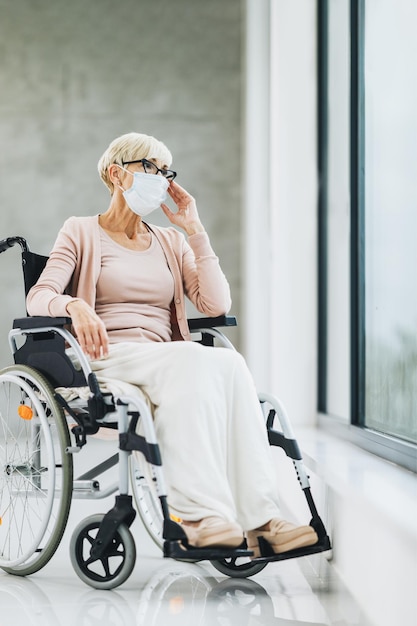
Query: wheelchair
[[41, 431]]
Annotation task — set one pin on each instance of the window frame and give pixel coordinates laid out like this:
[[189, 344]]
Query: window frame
[[387, 446]]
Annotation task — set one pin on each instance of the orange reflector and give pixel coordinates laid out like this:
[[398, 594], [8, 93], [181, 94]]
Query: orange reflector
[[1, 521], [175, 519], [25, 412], [176, 605]]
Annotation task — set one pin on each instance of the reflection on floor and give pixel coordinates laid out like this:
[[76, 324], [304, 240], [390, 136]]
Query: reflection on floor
[[166, 593], [162, 592]]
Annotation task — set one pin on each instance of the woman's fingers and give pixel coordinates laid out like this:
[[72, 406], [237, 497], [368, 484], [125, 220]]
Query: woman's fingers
[[89, 329], [179, 194], [167, 210], [95, 341], [97, 346]]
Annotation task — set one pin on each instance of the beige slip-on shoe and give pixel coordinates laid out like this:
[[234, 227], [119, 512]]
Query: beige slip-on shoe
[[213, 532], [282, 536]]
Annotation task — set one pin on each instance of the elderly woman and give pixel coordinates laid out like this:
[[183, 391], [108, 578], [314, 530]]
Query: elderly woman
[[128, 281]]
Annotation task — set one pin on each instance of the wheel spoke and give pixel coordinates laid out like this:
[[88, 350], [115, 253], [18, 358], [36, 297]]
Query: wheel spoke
[[90, 539], [105, 563]]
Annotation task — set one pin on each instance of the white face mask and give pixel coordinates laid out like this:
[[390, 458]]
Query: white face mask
[[147, 193]]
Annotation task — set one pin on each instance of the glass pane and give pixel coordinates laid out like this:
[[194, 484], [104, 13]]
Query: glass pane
[[391, 217]]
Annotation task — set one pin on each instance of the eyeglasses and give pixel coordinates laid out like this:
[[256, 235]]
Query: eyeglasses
[[151, 168]]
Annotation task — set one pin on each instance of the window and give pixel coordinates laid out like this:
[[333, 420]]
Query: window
[[368, 222], [390, 206]]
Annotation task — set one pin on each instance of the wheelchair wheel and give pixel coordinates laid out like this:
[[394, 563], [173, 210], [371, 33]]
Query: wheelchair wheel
[[36, 473], [145, 496], [241, 567], [111, 569]]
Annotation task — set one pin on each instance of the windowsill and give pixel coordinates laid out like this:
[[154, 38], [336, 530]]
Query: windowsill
[[393, 449], [356, 473], [369, 507]]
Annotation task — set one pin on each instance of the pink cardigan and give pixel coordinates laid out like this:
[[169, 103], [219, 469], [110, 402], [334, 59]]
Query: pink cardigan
[[74, 266]]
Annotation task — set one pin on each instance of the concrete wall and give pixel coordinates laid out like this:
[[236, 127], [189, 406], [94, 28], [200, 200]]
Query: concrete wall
[[75, 74]]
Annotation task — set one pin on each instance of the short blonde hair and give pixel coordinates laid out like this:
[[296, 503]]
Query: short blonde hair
[[131, 147]]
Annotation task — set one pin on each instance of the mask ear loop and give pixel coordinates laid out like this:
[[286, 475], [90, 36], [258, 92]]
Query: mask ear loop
[[125, 170]]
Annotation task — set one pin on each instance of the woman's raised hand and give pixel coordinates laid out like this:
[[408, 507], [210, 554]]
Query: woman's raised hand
[[187, 216], [89, 329]]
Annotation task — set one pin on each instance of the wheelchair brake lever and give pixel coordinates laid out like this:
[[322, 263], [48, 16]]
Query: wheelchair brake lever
[[85, 425]]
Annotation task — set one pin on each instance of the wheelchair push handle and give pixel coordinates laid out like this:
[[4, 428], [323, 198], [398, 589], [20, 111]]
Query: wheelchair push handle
[[9, 242]]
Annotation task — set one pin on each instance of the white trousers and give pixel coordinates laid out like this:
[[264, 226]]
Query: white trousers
[[210, 427]]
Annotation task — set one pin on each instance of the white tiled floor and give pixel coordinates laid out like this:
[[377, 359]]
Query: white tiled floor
[[162, 592]]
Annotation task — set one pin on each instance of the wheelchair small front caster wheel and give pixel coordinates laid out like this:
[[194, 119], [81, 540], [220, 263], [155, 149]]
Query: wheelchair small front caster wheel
[[113, 567], [238, 567]]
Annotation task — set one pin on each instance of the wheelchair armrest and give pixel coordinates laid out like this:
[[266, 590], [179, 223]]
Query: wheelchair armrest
[[39, 322], [199, 323]]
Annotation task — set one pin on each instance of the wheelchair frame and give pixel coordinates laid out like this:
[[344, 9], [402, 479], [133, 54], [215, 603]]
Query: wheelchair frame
[[42, 365]]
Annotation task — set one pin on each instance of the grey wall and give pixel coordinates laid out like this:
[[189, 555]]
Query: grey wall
[[74, 74]]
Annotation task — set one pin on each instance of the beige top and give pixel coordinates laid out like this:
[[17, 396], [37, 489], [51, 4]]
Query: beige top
[[74, 266], [134, 292]]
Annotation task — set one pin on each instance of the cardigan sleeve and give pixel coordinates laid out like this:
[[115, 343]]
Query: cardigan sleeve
[[47, 296], [204, 282]]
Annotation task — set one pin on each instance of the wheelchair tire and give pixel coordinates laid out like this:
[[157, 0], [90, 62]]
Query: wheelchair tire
[[36, 473], [114, 567], [145, 497], [238, 568]]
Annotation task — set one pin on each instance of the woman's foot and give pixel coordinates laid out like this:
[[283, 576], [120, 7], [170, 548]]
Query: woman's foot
[[282, 536], [213, 532]]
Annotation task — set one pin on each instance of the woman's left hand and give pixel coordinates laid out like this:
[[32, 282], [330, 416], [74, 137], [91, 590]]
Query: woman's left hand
[[187, 216]]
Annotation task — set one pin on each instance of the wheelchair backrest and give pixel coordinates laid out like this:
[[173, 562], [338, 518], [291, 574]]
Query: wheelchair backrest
[[44, 351], [32, 263]]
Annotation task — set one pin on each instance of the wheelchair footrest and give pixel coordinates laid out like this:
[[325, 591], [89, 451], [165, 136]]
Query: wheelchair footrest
[[268, 555], [177, 550]]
